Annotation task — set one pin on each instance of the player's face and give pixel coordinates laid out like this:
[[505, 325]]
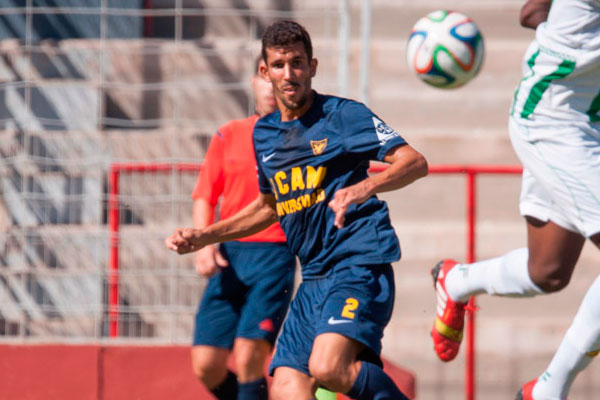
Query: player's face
[[263, 94], [290, 71]]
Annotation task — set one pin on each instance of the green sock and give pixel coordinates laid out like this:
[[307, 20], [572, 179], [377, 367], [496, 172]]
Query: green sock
[[324, 394]]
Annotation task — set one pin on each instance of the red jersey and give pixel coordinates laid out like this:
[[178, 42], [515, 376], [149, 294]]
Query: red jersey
[[229, 170]]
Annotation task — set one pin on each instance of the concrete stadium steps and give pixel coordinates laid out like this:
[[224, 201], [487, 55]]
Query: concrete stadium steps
[[405, 103], [52, 177], [5, 218], [439, 201], [183, 144], [396, 18], [55, 106], [222, 23], [463, 146], [155, 284], [73, 152], [218, 58], [45, 61], [56, 279], [178, 81], [154, 200], [51, 151], [50, 283], [64, 328], [64, 180], [153, 83], [146, 83], [59, 96], [483, 104], [52, 198]]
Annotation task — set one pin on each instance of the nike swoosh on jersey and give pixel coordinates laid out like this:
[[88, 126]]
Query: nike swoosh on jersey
[[267, 158], [333, 321]]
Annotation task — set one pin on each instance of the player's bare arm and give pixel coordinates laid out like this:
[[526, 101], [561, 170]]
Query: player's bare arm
[[209, 259], [534, 12], [258, 215], [407, 165]]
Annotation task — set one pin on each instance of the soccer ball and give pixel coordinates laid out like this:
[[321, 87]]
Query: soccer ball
[[445, 49]]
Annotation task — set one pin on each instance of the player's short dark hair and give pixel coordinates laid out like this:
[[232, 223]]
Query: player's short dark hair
[[286, 33]]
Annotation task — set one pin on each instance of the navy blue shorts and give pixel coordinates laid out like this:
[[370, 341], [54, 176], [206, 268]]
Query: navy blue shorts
[[355, 301], [249, 298]]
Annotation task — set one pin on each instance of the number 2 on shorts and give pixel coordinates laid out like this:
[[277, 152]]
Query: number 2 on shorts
[[351, 305]]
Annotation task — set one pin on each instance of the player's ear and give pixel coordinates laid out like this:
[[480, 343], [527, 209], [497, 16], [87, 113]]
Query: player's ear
[[313, 67], [264, 72]]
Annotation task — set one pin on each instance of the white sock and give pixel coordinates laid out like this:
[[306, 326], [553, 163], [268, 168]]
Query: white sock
[[578, 347], [502, 276]]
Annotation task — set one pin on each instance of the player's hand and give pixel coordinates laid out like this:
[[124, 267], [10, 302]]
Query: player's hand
[[208, 261], [185, 240], [354, 194]]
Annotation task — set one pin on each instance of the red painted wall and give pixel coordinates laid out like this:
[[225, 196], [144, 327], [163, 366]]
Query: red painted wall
[[87, 372], [49, 372]]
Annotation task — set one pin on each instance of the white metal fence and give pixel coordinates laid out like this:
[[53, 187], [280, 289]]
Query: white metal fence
[[88, 83]]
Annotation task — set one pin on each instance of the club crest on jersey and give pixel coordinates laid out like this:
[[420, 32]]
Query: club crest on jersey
[[384, 132], [318, 146]]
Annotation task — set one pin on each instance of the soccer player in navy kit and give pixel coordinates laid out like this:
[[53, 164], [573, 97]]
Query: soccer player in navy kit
[[312, 157]]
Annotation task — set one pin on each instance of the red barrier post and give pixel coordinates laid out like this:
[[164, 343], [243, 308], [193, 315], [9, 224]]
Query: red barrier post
[[471, 202], [113, 273]]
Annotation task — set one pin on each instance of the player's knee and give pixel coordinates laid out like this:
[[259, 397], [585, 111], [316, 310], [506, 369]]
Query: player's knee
[[249, 366], [250, 357], [327, 374], [284, 389], [549, 282], [209, 373], [204, 373], [551, 285]]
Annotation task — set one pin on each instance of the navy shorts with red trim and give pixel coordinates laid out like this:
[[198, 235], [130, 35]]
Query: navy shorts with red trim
[[249, 298]]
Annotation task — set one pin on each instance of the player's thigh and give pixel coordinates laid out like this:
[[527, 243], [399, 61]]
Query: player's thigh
[[359, 305], [561, 182], [333, 349], [270, 288], [218, 314]]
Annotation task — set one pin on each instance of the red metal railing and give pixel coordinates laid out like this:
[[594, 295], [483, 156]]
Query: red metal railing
[[471, 172], [113, 227]]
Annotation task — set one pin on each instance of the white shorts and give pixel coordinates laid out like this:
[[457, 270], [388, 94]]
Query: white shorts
[[561, 173]]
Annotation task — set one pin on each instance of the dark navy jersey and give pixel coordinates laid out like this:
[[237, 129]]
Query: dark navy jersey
[[305, 161]]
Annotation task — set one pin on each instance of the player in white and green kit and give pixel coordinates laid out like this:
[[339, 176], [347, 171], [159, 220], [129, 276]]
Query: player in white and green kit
[[555, 130]]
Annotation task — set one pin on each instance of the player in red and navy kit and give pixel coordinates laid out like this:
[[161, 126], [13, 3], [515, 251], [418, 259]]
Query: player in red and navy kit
[[313, 155], [251, 280]]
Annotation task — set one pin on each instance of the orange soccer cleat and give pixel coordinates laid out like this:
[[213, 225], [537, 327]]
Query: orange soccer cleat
[[525, 393], [447, 332]]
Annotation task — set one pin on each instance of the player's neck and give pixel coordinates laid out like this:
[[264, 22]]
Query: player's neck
[[288, 114]]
